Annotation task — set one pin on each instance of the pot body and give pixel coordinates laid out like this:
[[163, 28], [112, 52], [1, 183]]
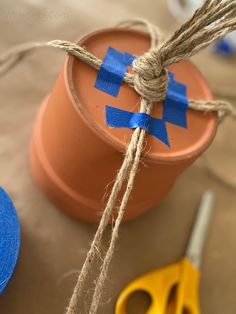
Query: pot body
[[75, 157]]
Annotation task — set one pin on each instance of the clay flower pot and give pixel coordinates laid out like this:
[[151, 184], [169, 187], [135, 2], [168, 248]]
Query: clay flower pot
[[75, 156]]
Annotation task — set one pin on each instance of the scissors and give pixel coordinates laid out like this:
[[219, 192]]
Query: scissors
[[174, 289]]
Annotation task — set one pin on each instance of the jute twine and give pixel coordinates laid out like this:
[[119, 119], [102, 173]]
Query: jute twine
[[149, 78]]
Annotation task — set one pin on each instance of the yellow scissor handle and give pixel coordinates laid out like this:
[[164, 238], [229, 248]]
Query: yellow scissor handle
[[159, 284]]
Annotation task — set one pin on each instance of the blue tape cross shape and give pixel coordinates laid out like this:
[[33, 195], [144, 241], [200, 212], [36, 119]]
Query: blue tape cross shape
[[125, 119], [109, 80], [112, 71], [9, 239]]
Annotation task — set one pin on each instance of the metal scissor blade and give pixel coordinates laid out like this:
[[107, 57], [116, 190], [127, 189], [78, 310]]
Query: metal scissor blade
[[198, 236]]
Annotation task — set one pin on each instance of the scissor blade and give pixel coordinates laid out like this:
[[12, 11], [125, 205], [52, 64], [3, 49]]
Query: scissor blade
[[199, 232]]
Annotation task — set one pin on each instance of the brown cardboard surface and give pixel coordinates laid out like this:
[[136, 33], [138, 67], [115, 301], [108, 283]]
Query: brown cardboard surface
[[53, 245]]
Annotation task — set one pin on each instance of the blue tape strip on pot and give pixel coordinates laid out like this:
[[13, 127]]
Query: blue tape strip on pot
[[9, 239], [176, 103], [120, 118], [112, 71]]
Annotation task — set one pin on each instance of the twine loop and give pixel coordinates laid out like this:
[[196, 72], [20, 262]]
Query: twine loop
[[150, 77]]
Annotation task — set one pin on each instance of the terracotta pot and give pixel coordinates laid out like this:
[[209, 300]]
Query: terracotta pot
[[75, 156]]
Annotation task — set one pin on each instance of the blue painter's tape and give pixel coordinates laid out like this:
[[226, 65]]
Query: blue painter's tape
[[176, 103], [129, 58], [224, 47], [9, 239], [125, 119], [112, 71]]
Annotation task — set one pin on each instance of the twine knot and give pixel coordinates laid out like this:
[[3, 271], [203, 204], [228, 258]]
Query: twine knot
[[150, 77]]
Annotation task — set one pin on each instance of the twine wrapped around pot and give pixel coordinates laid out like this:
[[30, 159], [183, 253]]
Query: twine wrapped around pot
[[149, 78]]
